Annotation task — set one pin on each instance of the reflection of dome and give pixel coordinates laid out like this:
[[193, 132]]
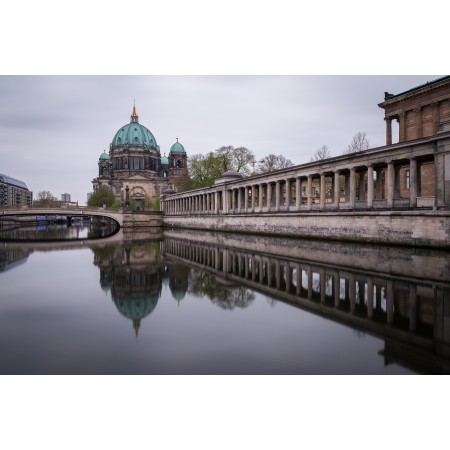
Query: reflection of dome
[[105, 287], [134, 135], [136, 309], [165, 281], [104, 156], [177, 148], [178, 294]]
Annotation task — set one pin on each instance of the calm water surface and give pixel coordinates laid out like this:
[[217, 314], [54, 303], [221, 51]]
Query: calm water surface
[[199, 303]]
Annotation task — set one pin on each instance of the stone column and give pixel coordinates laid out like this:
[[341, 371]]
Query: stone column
[[388, 130], [298, 194], [239, 201], [253, 198], [390, 184], [322, 191], [277, 195], [309, 191], [370, 186], [260, 197], [224, 202], [269, 196], [352, 187], [413, 182], [288, 194], [337, 189], [246, 199]]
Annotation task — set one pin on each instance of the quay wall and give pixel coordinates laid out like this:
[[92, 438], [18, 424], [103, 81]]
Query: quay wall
[[412, 228]]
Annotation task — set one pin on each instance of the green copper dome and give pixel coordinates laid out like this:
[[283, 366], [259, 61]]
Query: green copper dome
[[104, 156], [136, 309], [177, 148], [164, 161], [134, 135]]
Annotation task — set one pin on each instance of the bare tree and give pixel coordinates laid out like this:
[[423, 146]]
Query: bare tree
[[359, 143], [273, 162], [321, 153], [45, 198]]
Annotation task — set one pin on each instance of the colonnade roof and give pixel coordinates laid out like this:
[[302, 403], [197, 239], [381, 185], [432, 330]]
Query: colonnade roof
[[430, 84]]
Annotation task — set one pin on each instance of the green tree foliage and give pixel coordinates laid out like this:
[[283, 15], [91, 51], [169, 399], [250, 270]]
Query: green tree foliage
[[102, 196], [205, 169]]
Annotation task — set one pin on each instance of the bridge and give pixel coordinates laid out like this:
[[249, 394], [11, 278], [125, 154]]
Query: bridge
[[26, 211], [124, 218]]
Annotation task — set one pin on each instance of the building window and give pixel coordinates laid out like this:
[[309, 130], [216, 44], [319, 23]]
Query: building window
[[407, 179]]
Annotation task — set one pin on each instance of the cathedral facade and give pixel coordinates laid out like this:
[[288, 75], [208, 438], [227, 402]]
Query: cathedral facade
[[134, 168]]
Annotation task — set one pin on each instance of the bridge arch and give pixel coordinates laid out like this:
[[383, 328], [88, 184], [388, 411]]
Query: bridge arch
[[115, 215]]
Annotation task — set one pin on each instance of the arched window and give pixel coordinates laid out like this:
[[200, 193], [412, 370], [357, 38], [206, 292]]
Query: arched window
[[179, 163]]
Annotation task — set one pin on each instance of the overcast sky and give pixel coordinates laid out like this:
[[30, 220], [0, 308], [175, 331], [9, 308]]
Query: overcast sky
[[54, 128]]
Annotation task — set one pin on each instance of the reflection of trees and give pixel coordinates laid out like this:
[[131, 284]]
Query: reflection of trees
[[227, 297]]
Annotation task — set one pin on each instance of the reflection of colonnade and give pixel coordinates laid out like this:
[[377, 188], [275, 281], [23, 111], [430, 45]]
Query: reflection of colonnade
[[411, 310]]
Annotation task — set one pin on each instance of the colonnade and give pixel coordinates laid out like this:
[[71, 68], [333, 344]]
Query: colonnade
[[387, 184]]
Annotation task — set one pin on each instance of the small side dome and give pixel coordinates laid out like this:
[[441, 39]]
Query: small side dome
[[230, 175], [164, 161], [177, 148], [168, 190], [104, 156]]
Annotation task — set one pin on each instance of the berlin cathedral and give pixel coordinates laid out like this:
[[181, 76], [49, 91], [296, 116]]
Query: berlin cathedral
[[134, 165]]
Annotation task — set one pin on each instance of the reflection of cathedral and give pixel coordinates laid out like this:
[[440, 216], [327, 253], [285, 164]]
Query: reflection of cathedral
[[134, 162], [134, 273]]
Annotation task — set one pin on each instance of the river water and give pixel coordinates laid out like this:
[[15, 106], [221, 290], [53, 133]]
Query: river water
[[185, 302]]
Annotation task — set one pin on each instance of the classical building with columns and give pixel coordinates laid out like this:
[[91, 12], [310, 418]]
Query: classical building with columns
[[412, 174], [135, 168]]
